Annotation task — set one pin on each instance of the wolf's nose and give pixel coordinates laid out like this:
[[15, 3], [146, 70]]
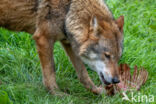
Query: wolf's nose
[[115, 80]]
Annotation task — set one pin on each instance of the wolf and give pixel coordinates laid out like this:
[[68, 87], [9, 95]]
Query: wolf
[[86, 29]]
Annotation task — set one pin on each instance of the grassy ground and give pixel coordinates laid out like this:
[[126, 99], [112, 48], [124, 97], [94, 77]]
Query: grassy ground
[[20, 72]]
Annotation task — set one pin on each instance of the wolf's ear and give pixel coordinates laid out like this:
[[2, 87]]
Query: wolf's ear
[[120, 23], [93, 23]]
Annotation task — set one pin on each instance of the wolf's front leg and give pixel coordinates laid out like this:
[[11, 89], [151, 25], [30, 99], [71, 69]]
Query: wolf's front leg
[[81, 70], [45, 50]]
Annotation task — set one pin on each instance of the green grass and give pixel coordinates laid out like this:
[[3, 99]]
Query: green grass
[[20, 72]]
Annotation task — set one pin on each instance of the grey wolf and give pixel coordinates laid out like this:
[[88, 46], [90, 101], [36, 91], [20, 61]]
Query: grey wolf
[[86, 29]]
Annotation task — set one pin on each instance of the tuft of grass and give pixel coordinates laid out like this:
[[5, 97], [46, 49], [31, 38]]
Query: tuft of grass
[[20, 72]]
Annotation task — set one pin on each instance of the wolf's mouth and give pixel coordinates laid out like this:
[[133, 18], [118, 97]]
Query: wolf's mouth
[[103, 79]]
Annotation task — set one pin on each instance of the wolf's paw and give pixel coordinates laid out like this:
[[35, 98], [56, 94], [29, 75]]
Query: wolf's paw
[[58, 93], [98, 90], [54, 89]]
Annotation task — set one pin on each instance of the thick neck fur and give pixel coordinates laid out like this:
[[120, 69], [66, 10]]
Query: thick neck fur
[[79, 17], [93, 7]]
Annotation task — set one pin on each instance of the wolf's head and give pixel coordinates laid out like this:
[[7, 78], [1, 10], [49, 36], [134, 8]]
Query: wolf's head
[[103, 48]]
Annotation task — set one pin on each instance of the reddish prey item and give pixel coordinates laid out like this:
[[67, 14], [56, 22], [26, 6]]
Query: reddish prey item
[[128, 82]]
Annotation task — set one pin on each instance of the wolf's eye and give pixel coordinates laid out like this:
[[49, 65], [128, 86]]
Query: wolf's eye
[[107, 55]]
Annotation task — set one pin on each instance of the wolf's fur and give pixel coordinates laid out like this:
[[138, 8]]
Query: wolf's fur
[[86, 29]]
